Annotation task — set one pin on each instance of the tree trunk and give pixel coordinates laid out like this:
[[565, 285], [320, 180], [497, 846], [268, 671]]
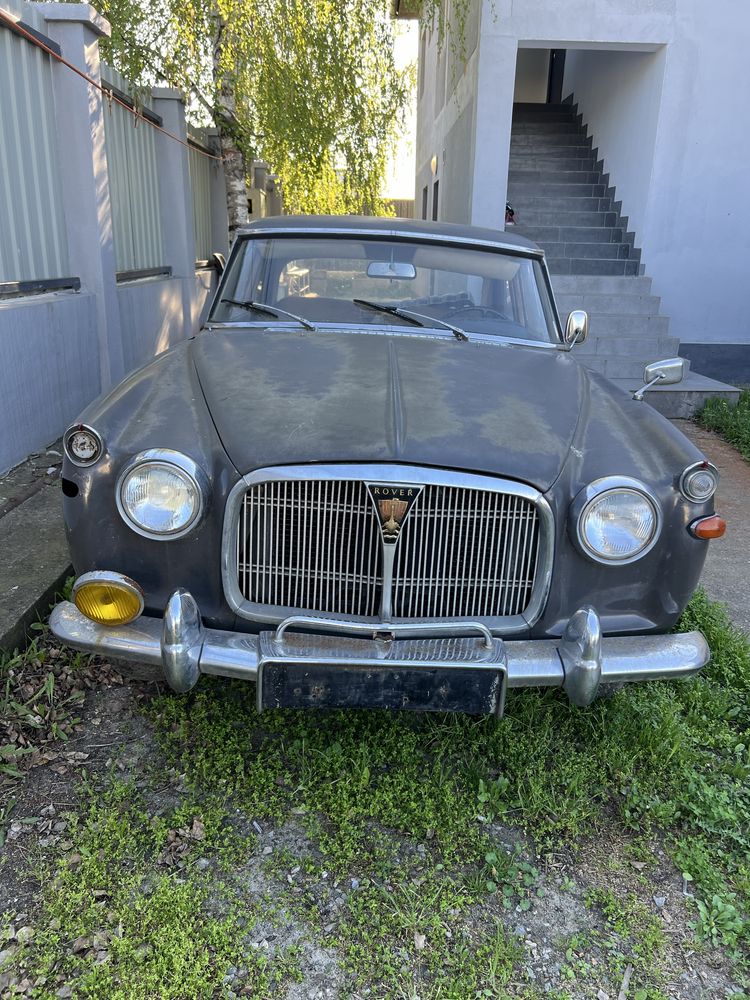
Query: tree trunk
[[235, 174], [235, 167]]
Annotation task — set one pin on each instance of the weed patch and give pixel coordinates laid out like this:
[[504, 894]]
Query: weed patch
[[404, 872], [732, 422]]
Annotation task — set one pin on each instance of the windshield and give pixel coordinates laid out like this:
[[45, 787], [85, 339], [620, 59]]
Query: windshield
[[363, 281]]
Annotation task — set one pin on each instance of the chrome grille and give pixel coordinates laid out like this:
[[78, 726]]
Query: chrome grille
[[314, 545], [466, 553]]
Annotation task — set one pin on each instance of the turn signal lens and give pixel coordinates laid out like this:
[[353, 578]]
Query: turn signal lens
[[108, 598], [709, 527]]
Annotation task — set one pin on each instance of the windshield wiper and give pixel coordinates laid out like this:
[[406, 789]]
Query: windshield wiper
[[261, 307], [420, 319]]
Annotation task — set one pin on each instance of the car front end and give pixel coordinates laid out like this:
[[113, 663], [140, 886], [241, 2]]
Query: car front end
[[368, 516]]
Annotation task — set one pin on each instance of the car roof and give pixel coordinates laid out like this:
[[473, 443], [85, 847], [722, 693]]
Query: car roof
[[385, 226]]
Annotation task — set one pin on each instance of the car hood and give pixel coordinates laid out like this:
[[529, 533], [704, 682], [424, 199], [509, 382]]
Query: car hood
[[286, 397]]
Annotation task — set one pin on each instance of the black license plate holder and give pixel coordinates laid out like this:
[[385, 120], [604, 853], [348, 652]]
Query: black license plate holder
[[428, 675]]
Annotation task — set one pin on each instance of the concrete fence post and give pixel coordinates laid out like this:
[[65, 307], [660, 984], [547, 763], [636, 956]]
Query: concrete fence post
[[79, 116]]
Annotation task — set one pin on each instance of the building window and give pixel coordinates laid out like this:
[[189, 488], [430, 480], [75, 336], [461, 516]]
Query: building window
[[425, 196], [435, 201]]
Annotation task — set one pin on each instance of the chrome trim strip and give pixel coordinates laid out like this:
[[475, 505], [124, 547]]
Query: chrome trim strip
[[376, 631], [167, 457], [430, 333], [384, 235], [401, 475]]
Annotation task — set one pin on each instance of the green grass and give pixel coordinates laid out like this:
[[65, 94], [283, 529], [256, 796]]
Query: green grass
[[119, 924], [406, 805], [732, 422]]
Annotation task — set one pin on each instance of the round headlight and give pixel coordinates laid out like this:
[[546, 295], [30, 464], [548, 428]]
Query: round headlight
[[160, 494], [698, 482], [83, 445], [617, 523]]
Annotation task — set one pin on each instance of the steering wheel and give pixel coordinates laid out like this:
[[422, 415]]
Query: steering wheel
[[470, 307]]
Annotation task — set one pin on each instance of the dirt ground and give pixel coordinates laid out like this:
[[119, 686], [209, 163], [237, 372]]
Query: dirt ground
[[565, 942]]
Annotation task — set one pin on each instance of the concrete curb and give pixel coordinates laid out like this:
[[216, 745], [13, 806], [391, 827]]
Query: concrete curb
[[35, 562], [17, 635]]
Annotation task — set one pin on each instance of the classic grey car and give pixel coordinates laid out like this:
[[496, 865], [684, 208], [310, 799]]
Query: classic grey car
[[379, 477]]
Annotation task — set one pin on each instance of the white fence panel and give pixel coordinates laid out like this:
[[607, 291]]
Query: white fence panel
[[133, 183], [201, 168], [32, 222]]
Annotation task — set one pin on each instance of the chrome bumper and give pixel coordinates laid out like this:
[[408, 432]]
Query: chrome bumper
[[578, 662]]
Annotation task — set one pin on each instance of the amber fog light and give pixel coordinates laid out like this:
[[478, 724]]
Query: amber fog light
[[108, 598]]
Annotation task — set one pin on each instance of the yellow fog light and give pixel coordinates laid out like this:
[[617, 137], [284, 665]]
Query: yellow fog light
[[108, 598]]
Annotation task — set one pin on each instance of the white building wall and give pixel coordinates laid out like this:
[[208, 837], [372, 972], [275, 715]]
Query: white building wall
[[663, 86], [532, 75], [619, 96]]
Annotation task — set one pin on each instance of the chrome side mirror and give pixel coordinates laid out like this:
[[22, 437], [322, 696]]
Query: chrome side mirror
[[577, 327], [668, 372]]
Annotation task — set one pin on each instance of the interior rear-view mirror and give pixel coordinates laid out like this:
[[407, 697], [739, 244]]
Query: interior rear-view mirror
[[394, 269]]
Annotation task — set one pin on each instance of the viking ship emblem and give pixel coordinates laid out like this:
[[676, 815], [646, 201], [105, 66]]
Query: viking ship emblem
[[392, 504]]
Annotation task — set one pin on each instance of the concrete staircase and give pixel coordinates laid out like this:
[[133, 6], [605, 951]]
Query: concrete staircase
[[563, 201]]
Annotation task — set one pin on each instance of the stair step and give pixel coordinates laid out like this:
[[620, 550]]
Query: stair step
[[550, 189], [551, 204], [536, 177], [600, 285], [601, 251], [614, 304], [546, 128], [534, 161], [653, 348], [536, 217], [542, 105], [628, 326], [685, 398], [589, 265], [618, 367], [572, 234], [525, 117], [572, 140], [523, 146]]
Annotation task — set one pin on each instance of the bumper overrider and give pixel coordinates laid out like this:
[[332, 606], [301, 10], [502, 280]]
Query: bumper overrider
[[446, 671]]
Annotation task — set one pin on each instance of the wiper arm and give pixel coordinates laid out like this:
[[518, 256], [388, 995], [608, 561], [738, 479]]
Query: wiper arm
[[261, 307], [419, 319]]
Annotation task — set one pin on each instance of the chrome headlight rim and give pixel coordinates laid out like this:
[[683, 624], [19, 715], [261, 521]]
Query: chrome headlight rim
[[689, 473], [593, 492], [77, 429], [171, 460]]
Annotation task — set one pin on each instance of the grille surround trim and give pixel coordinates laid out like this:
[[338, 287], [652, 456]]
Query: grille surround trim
[[401, 475]]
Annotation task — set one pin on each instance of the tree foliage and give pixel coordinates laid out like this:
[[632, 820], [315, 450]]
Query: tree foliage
[[309, 85]]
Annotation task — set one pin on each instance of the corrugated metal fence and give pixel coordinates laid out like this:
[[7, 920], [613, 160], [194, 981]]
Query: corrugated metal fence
[[200, 182], [133, 180], [32, 222]]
